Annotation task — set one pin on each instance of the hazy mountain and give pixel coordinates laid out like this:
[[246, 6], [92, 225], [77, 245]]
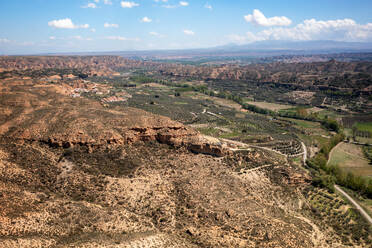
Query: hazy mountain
[[316, 45], [254, 50]]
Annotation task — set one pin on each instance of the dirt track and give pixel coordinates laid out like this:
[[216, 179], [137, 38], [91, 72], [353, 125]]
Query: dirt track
[[356, 205]]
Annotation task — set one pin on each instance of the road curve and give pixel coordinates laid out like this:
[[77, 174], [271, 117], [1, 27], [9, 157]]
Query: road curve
[[350, 199], [356, 205]]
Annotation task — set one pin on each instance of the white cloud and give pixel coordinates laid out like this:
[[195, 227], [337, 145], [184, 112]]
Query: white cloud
[[121, 38], [107, 2], [146, 19], [110, 25], [97, 1], [188, 32], [156, 34], [70, 38], [93, 30], [116, 38], [3, 40], [90, 5], [128, 4], [259, 19], [164, 1], [78, 37], [168, 6], [66, 23], [312, 29], [173, 6], [208, 6]]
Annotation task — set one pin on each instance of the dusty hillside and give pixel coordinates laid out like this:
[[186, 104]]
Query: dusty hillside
[[316, 75], [76, 174], [77, 62]]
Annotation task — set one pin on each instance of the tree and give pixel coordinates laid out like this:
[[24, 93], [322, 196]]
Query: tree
[[331, 125]]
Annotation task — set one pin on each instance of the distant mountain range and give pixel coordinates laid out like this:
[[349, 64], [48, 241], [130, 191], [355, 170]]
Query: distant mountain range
[[317, 45], [256, 49]]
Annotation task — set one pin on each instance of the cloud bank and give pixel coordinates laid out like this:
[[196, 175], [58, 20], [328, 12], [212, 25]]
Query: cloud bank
[[146, 19], [259, 19], [66, 24], [128, 4], [110, 25], [188, 32], [312, 29]]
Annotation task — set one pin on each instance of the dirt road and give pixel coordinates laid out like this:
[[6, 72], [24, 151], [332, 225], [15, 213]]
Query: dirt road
[[355, 204], [350, 199]]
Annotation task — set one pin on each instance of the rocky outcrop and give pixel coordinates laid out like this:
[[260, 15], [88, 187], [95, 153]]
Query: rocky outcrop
[[207, 148], [68, 122]]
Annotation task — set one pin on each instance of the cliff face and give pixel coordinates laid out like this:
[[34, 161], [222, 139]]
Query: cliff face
[[62, 121]]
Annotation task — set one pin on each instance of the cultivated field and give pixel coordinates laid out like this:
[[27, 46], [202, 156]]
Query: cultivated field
[[364, 126], [351, 158], [270, 106]]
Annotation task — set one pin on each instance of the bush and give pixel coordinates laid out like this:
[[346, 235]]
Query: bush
[[256, 109], [331, 124]]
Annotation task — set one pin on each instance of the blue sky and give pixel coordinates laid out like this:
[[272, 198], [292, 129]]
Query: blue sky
[[39, 26]]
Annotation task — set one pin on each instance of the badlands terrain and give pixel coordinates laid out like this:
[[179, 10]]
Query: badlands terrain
[[80, 171]]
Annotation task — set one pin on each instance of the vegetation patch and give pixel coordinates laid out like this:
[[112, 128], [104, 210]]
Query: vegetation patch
[[269, 105]]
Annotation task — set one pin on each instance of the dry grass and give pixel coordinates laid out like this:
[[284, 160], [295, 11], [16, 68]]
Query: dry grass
[[221, 102], [270, 106]]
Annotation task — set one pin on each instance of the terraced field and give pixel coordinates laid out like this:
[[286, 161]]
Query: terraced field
[[334, 210]]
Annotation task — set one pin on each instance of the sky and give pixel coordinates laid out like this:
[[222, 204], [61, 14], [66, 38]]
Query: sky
[[55, 26]]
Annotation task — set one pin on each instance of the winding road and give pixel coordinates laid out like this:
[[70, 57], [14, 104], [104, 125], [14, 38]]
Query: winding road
[[304, 158], [356, 205]]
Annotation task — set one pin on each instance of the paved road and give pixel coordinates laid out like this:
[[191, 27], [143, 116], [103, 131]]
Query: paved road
[[356, 205]]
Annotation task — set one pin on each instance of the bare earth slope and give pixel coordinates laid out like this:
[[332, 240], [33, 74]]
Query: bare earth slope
[[76, 174]]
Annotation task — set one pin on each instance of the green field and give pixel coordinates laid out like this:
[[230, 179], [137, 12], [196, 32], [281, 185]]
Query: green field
[[366, 126], [270, 106], [350, 157], [328, 113], [303, 123]]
